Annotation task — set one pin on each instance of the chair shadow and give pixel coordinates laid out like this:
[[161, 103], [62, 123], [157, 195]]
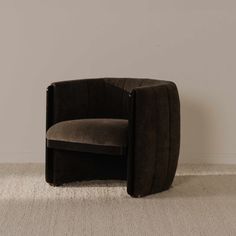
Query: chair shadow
[[21, 169], [95, 183], [199, 186], [184, 186]]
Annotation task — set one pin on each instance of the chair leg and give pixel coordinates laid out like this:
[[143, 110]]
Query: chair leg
[[55, 184]]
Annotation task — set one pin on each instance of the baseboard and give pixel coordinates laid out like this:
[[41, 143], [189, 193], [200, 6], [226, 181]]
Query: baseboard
[[194, 158], [22, 157]]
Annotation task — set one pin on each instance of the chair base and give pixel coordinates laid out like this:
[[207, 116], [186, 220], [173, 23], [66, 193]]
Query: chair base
[[68, 166]]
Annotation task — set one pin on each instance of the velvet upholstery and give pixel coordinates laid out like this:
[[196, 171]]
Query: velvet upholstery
[[152, 108], [108, 136]]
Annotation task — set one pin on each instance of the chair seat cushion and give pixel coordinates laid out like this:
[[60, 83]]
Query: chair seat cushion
[[108, 136]]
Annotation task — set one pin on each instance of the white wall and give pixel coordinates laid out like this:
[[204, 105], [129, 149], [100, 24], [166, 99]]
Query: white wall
[[190, 42]]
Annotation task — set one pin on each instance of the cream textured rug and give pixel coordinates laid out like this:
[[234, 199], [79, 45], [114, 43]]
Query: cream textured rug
[[201, 202]]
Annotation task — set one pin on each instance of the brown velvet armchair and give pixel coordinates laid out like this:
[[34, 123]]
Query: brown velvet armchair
[[113, 128]]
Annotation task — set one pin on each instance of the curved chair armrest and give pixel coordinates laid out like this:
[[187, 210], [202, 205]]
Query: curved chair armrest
[[154, 139]]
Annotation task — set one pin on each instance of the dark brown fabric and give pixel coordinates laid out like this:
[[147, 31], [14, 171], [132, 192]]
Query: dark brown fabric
[[71, 166], [153, 110], [84, 147], [155, 139]]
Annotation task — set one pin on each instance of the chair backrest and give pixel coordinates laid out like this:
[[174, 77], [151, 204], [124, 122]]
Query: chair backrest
[[91, 98], [117, 93]]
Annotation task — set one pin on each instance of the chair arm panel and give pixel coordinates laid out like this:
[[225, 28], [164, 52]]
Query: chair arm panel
[[154, 138]]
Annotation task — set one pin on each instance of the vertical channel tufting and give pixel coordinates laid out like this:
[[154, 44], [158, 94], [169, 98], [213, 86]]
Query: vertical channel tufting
[[49, 107], [144, 146], [49, 122], [114, 98], [174, 105], [124, 101], [153, 157], [156, 153], [96, 101], [87, 86], [165, 183], [162, 143], [131, 140]]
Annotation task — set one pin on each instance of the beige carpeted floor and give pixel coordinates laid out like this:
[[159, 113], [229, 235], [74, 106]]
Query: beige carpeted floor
[[201, 202]]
